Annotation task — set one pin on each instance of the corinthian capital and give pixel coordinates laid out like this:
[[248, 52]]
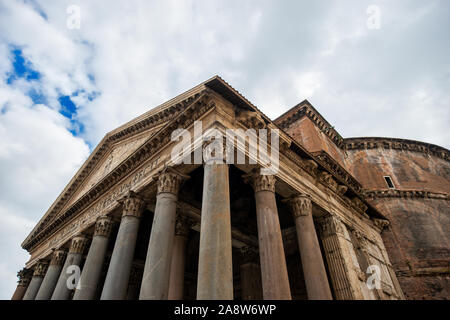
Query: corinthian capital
[[249, 254], [40, 269], [300, 205], [133, 205], [170, 180], [78, 244], [103, 226], [182, 224], [58, 257], [24, 276], [260, 182]]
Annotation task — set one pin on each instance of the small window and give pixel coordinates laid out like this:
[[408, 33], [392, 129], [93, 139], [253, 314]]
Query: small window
[[389, 182]]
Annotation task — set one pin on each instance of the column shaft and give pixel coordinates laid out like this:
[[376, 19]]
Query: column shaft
[[251, 286], [51, 277], [343, 276], [116, 282], [316, 280], [74, 258], [36, 280], [155, 281], [215, 269], [275, 281], [24, 276], [176, 283], [89, 280], [134, 284]]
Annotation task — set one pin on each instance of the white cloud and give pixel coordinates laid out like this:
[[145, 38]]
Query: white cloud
[[135, 55]]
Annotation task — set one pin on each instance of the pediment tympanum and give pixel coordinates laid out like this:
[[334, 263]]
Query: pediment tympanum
[[118, 153]]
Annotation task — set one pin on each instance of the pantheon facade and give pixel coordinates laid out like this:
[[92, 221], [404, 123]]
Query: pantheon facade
[[345, 219]]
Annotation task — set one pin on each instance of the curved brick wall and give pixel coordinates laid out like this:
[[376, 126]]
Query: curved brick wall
[[418, 238], [418, 208]]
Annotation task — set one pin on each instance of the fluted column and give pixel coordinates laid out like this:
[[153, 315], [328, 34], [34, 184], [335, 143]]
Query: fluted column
[[24, 276], [176, 282], [116, 282], [155, 281], [88, 284], [215, 268], [74, 258], [339, 258], [316, 280], [275, 281], [250, 269], [36, 280], [51, 277]]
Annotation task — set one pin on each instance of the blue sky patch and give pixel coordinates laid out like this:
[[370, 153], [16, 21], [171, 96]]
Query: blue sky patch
[[22, 68]]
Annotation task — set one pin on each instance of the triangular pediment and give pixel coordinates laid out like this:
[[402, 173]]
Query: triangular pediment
[[112, 150], [125, 148]]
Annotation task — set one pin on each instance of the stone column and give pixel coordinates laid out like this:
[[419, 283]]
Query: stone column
[[250, 274], [24, 276], [36, 280], [89, 280], [275, 281], [134, 284], [339, 258], [155, 281], [74, 259], [51, 277], [176, 283], [116, 282], [316, 280], [215, 268]]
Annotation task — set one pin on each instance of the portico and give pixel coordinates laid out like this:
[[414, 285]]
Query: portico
[[142, 225]]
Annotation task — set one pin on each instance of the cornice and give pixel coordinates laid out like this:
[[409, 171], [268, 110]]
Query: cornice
[[359, 143], [306, 109], [338, 171], [394, 193], [396, 144], [159, 139]]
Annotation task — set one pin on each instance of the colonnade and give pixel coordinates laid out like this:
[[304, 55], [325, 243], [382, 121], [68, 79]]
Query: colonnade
[[163, 275]]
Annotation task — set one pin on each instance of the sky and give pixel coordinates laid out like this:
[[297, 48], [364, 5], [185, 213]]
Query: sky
[[70, 71]]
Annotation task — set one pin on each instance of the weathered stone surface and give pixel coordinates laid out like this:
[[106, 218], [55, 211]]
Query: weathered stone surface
[[74, 259], [36, 281], [116, 282], [215, 270], [51, 277], [89, 280], [330, 175], [155, 281], [313, 266], [418, 208]]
